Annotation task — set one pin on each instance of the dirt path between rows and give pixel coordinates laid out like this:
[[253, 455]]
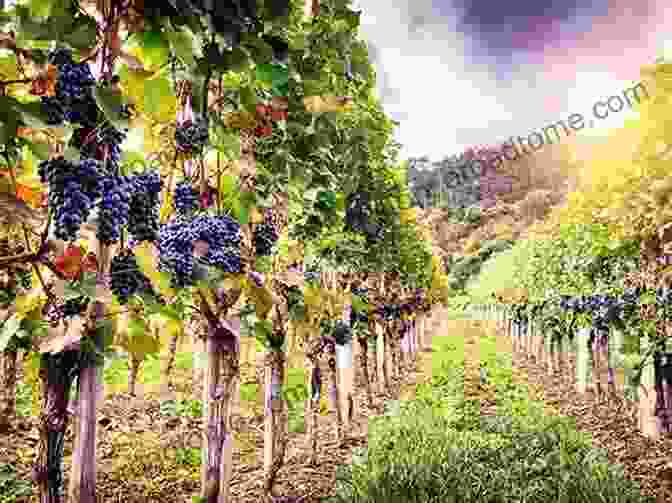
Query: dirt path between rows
[[134, 437], [612, 425]]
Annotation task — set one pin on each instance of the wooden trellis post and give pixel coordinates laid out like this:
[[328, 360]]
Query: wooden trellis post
[[582, 360]]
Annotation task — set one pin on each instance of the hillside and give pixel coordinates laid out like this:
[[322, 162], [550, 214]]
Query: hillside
[[468, 238]]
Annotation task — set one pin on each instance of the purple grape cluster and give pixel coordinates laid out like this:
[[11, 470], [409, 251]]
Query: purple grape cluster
[[222, 234], [73, 89], [358, 216], [73, 189], [357, 211], [265, 237], [143, 216], [54, 110], [176, 246], [55, 312], [492, 186], [105, 137], [113, 210], [74, 307], [185, 198], [192, 136], [126, 277]]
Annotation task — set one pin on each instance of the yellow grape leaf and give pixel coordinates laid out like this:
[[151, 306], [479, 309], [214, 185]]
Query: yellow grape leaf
[[408, 216], [234, 281], [262, 299], [324, 406], [143, 344], [312, 297], [27, 303], [160, 280], [167, 208]]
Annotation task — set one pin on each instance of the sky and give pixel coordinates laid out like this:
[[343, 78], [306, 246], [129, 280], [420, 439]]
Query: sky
[[458, 73]]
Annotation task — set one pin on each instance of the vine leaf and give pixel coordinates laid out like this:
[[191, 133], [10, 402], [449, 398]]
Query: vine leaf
[[33, 114], [82, 34], [159, 280], [9, 329], [156, 91], [185, 46], [110, 103]]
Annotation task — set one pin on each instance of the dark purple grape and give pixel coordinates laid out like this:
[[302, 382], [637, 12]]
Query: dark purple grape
[[113, 210], [192, 136], [126, 277], [185, 198]]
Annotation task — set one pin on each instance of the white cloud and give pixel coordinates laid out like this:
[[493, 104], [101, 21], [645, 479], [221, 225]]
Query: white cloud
[[451, 102]]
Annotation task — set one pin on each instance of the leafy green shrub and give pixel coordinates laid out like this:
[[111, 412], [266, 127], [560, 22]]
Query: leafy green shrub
[[440, 448], [188, 456], [425, 460], [11, 487], [24, 399], [191, 408]]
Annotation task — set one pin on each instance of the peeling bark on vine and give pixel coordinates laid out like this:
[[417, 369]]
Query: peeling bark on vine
[[8, 388], [220, 386], [56, 375], [172, 350], [275, 434], [364, 367]]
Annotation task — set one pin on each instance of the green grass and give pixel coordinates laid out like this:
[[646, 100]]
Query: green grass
[[440, 448], [116, 374]]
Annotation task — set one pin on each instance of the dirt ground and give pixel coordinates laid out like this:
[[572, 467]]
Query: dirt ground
[[612, 424], [134, 439]]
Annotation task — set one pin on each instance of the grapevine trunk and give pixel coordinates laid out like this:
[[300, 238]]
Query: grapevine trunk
[[8, 388], [364, 366], [275, 423], [56, 374], [220, 386]]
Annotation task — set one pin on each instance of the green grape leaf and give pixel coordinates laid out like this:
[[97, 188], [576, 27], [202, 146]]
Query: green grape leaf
[[110, 103], [33, 114], [228, 143], [263, 330], [155, 91], [185, 45], [353, 19], [136, 327], [40, 150], [155, 49], [273, 75], [86, 286], [72, 154], [9, 329], [280, 90], [31, 29], [83, 33], [248, 99], [260, 51], [8, 129], [235, 60]]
